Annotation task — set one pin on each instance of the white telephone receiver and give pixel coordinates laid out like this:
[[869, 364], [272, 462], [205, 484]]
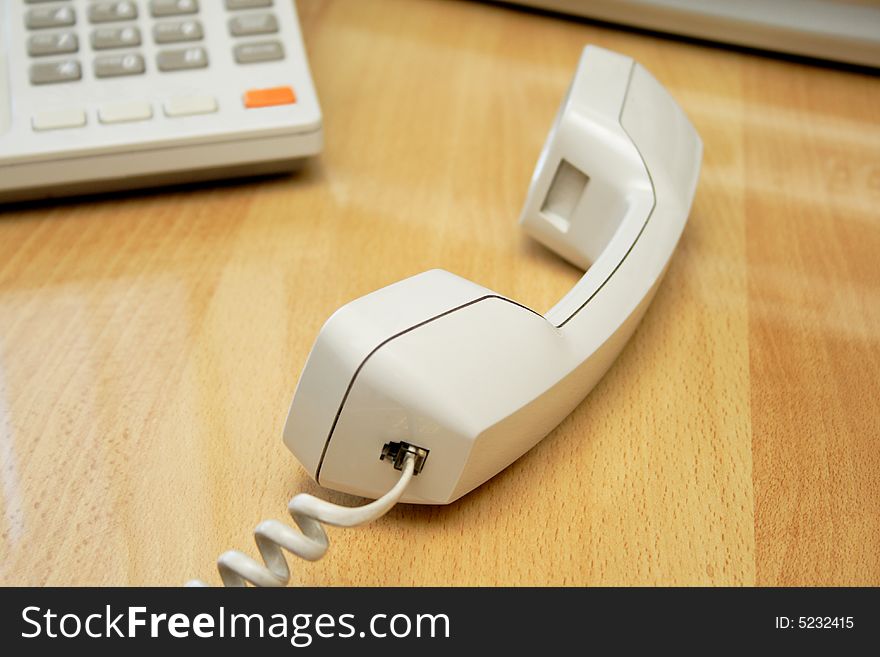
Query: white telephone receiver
[[453, 382], [466, 380]]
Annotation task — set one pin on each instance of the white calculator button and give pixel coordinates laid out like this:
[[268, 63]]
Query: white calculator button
[[124, 112], [58, 119], [190, 105], [248, 4], [43, 17], [160, 8]]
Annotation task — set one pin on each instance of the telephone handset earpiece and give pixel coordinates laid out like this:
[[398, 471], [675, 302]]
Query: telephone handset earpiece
[[468, 380]]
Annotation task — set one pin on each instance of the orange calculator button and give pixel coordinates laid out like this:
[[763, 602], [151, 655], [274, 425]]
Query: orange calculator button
[[269, 97]]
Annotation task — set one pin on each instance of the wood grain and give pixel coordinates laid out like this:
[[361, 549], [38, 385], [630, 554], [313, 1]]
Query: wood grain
[[150, 342]]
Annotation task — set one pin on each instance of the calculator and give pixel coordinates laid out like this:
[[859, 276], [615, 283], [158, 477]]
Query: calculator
[[100, 95]]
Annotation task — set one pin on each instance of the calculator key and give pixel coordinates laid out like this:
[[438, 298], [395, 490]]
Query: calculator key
[[111, 66], [125, 112], [104, 38], [248, 4], [61, 43], [268, 97], [177, 31], [190, 106], [179, 60], [160, 8], [249, 24], [264, 51], [50, 73], [43, 17], [106, 12], [58, 119]]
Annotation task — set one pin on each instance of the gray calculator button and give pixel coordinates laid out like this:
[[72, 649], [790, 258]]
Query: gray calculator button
[[42, 17], [177, 31], [111, 66], [264, 51], [52, 72], [52, 44], [159, 8], [183, 59], [107, 12], [104, 38], [248, 4], [249, 24]]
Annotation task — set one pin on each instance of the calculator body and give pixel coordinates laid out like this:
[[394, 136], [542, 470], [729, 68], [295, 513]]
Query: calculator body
[[96, 96]]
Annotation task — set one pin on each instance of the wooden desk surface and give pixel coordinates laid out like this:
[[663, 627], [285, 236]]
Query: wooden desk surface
[[150, 343]]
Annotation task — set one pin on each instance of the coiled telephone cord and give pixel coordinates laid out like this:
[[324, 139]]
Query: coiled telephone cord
[[310, 543]]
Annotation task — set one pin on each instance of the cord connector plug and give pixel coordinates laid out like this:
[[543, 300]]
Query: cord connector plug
[[397, 452]]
